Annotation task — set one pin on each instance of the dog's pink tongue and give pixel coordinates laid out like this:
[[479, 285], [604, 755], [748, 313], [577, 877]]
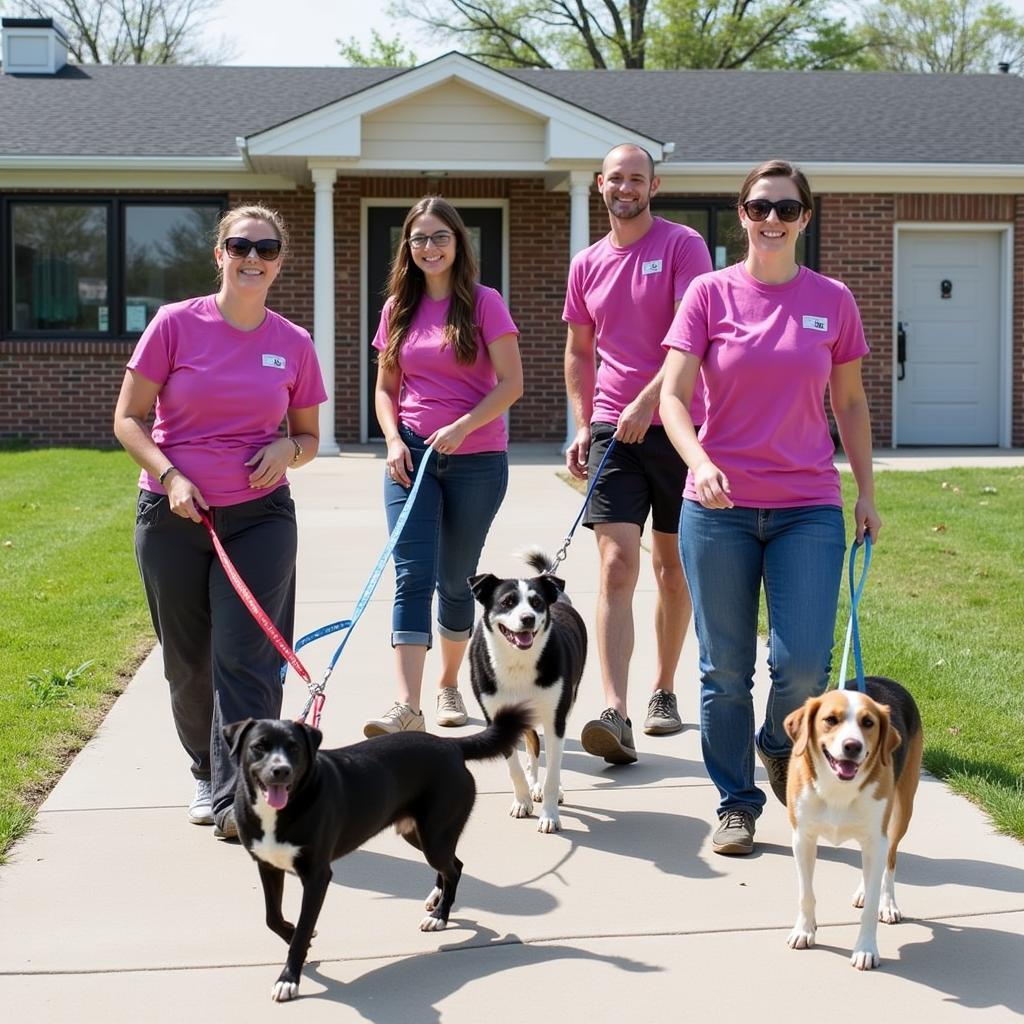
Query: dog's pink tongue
[[846, 770], [277, 796], [524, 639]]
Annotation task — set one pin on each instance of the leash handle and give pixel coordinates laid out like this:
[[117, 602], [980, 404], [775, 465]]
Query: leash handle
[[250, 602], [852, 629], [561, 552], [316, 699]]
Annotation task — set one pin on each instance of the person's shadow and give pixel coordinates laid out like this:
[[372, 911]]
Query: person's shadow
[[410, 989]]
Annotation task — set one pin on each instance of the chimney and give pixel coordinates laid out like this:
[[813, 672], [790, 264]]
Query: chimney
[[1004, 67], [33, 46]]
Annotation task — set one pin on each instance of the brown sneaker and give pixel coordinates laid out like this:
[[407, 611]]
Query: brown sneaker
[[778, 772], [735, 834], [662, 714], [451, 711], [225, 826], [610, 737], [398, 718]]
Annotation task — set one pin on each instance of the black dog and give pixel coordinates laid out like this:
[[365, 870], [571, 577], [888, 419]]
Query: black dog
[[298, 808], [530, 645]]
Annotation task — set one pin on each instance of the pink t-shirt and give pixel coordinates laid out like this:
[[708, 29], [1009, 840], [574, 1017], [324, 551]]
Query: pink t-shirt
[[767, 353], [436, 390], [628, 295], [224, 392]]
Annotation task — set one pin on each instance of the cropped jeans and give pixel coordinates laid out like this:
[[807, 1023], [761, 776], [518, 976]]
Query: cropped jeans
[[440, 546], [727, 553]]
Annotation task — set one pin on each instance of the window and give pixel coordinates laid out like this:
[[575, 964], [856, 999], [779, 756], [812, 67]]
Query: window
[[719, 223], [103, 266]]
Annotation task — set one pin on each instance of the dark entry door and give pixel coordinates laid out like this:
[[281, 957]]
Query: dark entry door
[[384, 228]]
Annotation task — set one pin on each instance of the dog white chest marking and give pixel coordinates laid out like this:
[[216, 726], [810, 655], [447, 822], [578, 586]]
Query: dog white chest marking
[[268, 849]]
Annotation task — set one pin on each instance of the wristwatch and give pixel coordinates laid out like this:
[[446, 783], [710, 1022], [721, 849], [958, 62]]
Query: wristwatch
[[298, 450]]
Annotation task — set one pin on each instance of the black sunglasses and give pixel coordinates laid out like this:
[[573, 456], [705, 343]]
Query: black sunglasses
[[266, 248], [788, 210]]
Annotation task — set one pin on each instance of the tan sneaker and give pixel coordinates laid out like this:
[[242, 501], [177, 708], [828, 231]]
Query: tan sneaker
[[451, 710], [734, 836], [398, 718], [610, 737], [662, 714]]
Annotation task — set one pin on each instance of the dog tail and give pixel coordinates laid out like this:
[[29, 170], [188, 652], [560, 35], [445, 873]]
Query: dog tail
[[499, 739], [536, 558]]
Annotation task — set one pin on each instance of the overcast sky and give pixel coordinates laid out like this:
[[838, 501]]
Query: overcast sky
[[306, 34]]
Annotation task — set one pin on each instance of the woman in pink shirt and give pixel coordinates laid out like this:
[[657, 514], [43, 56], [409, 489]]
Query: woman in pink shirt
[[762, 502], [448, 369], [222, 372]]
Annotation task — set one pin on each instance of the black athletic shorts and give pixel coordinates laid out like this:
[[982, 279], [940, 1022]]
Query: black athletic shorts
[[637, 480]]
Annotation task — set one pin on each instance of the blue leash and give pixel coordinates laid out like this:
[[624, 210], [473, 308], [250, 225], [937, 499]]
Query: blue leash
[[852, 629], [316, 693], [560, 554]]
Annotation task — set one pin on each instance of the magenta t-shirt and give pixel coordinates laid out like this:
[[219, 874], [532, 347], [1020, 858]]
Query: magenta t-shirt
[[767, 353], [628, 295], [436, 390], [224, 392]]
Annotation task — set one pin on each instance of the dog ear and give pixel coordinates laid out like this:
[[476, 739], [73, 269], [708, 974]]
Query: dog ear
[[888, 738], [235, 734], [483, 586], [798, 725], [313, 738], [552, 586]]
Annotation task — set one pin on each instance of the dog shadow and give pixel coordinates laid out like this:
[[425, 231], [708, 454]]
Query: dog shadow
[[410, 989]]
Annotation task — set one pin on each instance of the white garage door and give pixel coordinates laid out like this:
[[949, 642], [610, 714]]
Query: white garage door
[[949, 308]]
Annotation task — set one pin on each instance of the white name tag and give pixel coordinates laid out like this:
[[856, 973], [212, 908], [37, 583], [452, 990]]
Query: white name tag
[[816, 323], [651, 267], [278, 362]]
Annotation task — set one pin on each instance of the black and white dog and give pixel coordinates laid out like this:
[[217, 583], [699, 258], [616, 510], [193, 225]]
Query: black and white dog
[[529, 646], [298, 808]]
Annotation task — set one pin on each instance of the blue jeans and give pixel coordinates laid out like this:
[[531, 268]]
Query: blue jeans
[[727, 553], [442, 540]]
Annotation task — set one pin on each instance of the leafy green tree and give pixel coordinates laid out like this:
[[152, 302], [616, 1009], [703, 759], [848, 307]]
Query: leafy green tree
[[382, 53], [955, 36]]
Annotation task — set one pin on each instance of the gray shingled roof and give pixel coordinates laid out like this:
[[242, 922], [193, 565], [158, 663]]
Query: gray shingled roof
[[709, 115]]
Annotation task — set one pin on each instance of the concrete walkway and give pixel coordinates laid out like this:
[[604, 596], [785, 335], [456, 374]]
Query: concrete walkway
[[116, 909]]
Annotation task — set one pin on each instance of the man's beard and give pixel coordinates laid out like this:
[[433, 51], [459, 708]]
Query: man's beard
[[629, 210]]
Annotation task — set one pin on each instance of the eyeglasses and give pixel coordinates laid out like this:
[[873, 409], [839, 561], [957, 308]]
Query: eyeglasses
[[441, 239], [266, 248], [788, 210]]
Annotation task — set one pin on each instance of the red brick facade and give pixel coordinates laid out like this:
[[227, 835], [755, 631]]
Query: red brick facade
[[63, 392]]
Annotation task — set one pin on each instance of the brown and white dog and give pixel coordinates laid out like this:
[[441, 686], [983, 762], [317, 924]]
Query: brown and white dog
[[853, 773]]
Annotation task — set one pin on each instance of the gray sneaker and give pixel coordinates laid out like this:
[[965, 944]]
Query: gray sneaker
[[451, 711], [662, 714], [398, 718], [200, 811], [226, 826], [778, 771], [610, 737], [735, 834]]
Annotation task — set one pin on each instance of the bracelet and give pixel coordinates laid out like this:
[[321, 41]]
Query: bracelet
[[298, 450], [164, 474]]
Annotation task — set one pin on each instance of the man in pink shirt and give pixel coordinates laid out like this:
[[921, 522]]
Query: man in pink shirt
[[620, 300]]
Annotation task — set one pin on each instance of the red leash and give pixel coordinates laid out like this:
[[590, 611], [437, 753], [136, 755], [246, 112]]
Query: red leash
[[261, 617]]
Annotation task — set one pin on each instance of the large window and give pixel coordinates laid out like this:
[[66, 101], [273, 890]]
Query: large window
[[103, 266], [719, 223]]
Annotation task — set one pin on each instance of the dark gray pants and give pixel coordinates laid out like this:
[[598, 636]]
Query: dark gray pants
[[219, 664]]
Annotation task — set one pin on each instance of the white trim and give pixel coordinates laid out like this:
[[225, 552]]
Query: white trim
[[122, 163], [1006, 307], [848, 168], [365, 203]]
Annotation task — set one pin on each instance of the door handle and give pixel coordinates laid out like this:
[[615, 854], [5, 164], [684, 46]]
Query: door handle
[[901, 350]]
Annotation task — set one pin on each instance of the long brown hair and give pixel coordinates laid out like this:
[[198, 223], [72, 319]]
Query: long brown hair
[[778, 169], [406, 285]]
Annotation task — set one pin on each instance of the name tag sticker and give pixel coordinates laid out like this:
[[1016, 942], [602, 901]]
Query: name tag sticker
[[651, 267], [816, 323], [278, 362]]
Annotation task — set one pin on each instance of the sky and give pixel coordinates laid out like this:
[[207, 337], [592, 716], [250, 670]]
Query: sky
[[307, 35]]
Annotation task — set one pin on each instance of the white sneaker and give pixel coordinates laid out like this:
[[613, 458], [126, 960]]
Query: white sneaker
[[200, 811], [398, 718], [451, 711]]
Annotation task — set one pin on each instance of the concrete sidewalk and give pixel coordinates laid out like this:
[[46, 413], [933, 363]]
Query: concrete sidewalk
[[116, 909]]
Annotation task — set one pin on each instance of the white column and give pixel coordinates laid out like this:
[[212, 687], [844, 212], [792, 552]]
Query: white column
[[323, 297], [579, 238]]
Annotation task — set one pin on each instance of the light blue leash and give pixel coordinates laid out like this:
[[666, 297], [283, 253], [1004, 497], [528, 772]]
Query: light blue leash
[[316, 692], [852, 629]]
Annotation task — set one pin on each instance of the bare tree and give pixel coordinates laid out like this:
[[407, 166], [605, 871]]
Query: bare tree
[[134, 31]]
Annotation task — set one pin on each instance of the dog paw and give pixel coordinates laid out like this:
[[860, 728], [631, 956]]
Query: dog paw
[[801, 937], [889, 913], [537, 792], [521, 808], [433, 900], [865, 959], [283, 991], [858, 896], [549, 822], [432, 924]]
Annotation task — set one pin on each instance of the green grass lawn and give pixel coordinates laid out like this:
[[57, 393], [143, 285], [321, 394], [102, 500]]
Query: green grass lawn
[[73, 620]]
